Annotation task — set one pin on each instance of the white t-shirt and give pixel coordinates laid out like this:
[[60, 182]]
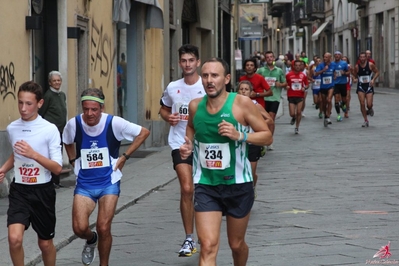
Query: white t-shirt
[[177, 96], [44, 138], [122, 129]]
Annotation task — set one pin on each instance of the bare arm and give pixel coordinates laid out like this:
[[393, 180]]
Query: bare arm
[[376, 73], [71, 152], [166, 114], [137, 141], [7, 166]]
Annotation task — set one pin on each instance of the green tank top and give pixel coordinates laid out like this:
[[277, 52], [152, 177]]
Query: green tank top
[[218, 160]]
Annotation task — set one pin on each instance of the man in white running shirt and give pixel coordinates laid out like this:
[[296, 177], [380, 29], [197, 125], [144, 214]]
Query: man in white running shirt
[[37, 154], [174, 110]]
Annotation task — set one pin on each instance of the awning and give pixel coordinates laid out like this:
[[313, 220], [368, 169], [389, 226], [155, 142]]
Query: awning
[[315, 35], [282, 2], [154, 15]]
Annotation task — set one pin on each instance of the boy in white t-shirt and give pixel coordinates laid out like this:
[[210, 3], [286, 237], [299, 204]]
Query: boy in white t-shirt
[[37, 154]]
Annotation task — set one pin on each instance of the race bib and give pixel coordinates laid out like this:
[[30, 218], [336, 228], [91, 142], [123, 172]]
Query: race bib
[[327, 80], [29, 173], [317, 82], [296, 86], [364, 79], [271, 81], [214, 155], [338, 73], [94, 158], [182, 109]]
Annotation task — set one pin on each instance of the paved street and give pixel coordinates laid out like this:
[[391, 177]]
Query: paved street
[[328, 196]]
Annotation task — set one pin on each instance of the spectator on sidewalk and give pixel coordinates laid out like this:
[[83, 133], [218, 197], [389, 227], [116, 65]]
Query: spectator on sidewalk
[[97, 166], [218, 132], [36, 154], [174, 110], [54, 110]]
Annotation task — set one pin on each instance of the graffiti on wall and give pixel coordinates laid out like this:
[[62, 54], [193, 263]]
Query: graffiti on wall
[[102, 53], [8, 84]]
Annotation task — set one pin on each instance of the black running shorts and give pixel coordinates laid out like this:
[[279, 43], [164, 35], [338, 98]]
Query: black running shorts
[[340, 89], [272, 107], [178, 160], [233, 200], [254, 153], [33, 204]]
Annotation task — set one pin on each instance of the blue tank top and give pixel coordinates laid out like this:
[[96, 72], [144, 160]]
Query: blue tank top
[[95, 153]]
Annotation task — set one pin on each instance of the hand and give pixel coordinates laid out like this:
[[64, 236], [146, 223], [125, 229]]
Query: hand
[[227, 129], [372, 83], [120, 163], [325, 68], [186, 149], [174, 119], [354, 80], [23, 148]]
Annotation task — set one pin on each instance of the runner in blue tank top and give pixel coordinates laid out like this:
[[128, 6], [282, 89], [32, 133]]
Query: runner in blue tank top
[[97, 166]]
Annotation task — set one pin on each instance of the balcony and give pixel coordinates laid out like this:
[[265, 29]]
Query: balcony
[[301, 19], [315, 9], [287, 19], [358, 2], [277, 7]]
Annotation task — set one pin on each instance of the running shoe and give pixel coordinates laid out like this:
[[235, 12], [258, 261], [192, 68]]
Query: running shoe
[[325, 122], [89, 251], [303, 115], [320, 115], [365, 124], [292, 121], [371, 112], [329, 121], [316, 106], [339, 118], [343, 107], [346, 115], [262, 151], [188, 248], [296, 131], [270, 147]]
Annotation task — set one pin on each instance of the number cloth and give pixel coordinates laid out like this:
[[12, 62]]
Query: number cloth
[[218, 160], [44, 138], [177, 96]]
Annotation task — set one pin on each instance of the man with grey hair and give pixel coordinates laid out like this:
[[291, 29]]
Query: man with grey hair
[[54, 110], [92, 140]]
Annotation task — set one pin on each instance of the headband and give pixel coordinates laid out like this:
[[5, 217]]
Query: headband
[[91, 98]]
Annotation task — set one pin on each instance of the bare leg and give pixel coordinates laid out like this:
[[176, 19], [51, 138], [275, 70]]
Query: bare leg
[[106, 212], [184, 173], [236, 230], [48, 252], [208, 229], [15, 239]]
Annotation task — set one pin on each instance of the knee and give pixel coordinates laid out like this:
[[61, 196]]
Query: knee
[[187, 190], [15, 241], [103, 230], [79, 229], [238, 246], [208, 247], [46, 245]]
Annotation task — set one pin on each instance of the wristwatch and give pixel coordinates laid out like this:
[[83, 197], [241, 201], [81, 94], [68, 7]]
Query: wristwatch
[[126, 156], [257, 94]]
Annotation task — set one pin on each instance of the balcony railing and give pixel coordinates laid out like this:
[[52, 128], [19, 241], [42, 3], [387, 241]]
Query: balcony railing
[[315, 9], [300, 16], [358, 2], [288, 20]]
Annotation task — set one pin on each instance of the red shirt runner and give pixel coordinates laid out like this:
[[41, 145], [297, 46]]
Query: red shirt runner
[[260, 85], [296, 81]]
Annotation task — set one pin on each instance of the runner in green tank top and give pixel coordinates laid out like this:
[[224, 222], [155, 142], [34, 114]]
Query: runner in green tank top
[[217, 131]]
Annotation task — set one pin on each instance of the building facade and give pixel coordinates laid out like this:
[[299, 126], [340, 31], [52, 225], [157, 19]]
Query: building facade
[[89, 41]]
